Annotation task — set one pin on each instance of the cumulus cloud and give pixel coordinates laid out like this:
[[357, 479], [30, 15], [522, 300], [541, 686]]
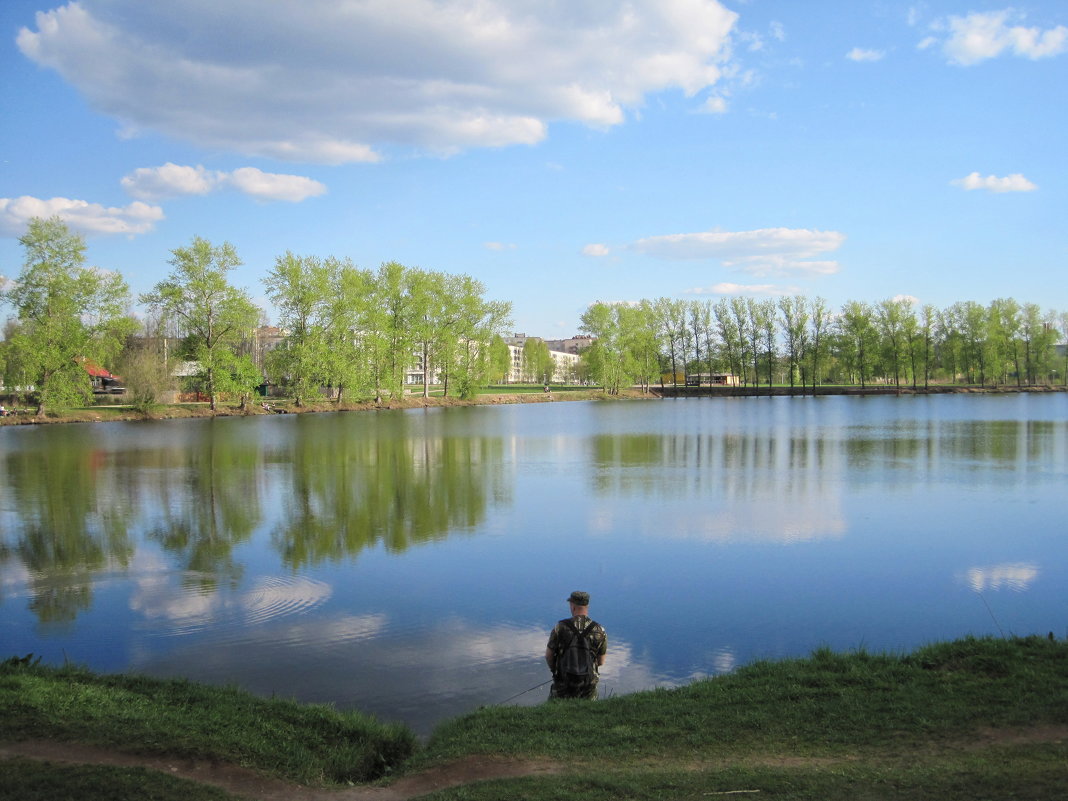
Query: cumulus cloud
[[860, 54], [766, 251], [595, 250], [334, 82], [173, 180], [984, 35], [1010, 183], [80, 215]]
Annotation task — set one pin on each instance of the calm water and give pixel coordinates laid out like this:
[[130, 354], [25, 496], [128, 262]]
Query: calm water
[[410, 564]]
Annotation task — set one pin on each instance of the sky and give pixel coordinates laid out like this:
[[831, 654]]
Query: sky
[[560, 152]]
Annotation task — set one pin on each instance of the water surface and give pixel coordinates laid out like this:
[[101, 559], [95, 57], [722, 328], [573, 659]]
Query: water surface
[[410, 564]]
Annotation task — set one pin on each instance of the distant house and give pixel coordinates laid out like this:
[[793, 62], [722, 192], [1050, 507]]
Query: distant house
[[104, 383], [712, 379]]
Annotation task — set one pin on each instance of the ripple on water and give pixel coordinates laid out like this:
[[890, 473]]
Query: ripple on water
[[204, 608]]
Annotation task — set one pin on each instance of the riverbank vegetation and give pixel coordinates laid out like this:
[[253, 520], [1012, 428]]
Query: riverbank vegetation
[[974, 718], [349, 335]]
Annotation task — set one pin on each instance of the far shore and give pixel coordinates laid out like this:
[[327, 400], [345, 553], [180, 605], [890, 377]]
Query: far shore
[[497, 396]]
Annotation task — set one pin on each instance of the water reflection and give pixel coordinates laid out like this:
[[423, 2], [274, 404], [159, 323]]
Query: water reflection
[[78, 505], [342, 493], [59, 527], [1016, 577], [722, 487]]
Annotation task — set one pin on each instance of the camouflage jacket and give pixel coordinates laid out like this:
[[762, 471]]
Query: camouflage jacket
[[561, 635]]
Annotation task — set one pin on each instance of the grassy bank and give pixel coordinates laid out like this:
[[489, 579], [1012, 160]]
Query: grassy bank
[[975, 718], [136, 714]]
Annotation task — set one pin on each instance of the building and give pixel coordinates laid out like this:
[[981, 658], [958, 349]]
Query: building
[[575, 344], [710, 379], [565, 365]]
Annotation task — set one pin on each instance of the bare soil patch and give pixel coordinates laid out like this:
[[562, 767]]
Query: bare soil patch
[[253, 785]]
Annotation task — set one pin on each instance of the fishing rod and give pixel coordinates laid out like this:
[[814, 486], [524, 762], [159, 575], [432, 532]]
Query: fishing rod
[[536, 686], [991, 611]]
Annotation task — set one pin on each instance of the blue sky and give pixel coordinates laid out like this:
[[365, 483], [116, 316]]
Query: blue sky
[[562, 153]]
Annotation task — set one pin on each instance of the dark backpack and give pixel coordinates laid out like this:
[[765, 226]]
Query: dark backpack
[[576, 659]]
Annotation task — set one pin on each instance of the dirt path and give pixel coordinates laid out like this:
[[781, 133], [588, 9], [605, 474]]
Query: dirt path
[[252, 785]]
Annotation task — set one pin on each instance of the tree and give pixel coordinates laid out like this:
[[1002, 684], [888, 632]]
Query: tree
[[820, 316], [890, 318], [762, 333], [928, 326], [353, 345], [671, 316], [1004, 334], [299, 287], [857, 337], [732, 339], [499, 359], [794, 323], [67, 313], [144, 374], [214, 316], [537, 361], [391, 325], [641, 340], [605, 360]]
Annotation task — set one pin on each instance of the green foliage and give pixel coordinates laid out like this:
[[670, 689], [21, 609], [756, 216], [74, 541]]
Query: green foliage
[[538, 365], [215, 316], [67, 313], [362, 331], [145, 376]]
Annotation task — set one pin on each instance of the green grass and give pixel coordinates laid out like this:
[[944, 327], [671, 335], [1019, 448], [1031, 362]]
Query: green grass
[[969, 719], [137, 714], [27, 780], [1034, 774], [824, 704]]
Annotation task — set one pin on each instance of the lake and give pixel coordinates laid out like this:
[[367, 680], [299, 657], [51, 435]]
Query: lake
[[411, 563]]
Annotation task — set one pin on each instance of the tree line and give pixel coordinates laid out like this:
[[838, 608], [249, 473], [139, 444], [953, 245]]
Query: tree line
[[353, 331], [797, 340], [356, 333]]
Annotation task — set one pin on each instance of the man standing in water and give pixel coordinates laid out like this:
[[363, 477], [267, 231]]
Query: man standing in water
[[577, 648]]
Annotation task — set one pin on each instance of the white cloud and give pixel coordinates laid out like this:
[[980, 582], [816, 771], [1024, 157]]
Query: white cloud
[[333, 82], [499, 246], [716, 104], [1010, 183], [595, 250], [766, 251], [912, 300], [985, 35], [80, 215], [860, 54], [274, 186], [173, 180], [728, 288]]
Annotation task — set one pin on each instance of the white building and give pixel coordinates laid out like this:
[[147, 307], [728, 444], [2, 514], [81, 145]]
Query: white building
[[565, 365]]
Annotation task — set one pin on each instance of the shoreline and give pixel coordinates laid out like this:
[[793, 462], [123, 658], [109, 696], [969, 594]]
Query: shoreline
[[121, 413]]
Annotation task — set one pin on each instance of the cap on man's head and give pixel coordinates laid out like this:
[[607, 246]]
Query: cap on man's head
[[579, 598]]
